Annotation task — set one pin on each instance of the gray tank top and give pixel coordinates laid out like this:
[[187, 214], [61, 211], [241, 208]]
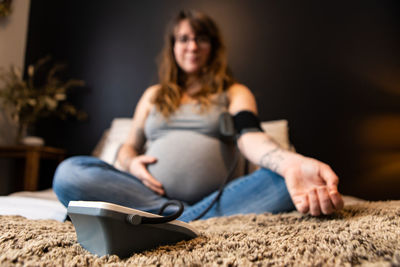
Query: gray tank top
[[192, 159]]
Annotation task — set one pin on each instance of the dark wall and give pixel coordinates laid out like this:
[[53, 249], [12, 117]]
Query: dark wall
[[332, 69]]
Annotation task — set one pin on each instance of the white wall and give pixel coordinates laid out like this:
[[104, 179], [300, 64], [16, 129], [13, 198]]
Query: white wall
[[13, 34]]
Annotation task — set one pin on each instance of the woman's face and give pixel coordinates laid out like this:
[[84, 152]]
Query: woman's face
[[191, 52]]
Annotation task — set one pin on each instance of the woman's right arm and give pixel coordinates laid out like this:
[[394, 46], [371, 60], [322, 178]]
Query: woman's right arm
[[130, 156]]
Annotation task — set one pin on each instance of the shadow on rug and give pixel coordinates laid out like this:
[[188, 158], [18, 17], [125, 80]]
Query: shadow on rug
[[366, 233]]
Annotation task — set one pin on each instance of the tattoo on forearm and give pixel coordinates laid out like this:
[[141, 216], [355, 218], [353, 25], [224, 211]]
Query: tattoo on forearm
[[272, 159]]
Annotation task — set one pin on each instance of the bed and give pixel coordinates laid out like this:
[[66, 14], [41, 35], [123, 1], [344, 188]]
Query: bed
[[33, 231]]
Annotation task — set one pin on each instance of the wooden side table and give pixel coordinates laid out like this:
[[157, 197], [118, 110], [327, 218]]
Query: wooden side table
[[32, 156]]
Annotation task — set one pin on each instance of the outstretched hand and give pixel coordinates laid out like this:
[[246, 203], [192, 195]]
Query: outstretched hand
[[312, 186]]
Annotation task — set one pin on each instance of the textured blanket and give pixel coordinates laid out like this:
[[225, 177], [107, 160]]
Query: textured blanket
[[365, 233]]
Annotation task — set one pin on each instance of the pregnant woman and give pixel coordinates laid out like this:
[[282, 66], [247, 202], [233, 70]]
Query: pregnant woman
[[175, 149]]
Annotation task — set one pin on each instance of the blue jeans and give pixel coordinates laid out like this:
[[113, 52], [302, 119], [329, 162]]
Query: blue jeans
[[90, 179]]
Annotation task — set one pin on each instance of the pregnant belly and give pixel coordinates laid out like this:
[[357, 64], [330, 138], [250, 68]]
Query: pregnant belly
[[189, 165]]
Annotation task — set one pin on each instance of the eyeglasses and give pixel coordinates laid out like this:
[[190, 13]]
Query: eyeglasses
[[201, 40]]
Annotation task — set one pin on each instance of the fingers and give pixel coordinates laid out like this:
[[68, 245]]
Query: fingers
[[151, 182], [325, 202], [314, 205], [317, 201], [140, 171], [158, 190], [301, 203], [147, 159], [329, 176], [336, 198], [332, 182], [154, 185]]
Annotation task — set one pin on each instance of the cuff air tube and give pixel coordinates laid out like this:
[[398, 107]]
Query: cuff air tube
[[246, 121]]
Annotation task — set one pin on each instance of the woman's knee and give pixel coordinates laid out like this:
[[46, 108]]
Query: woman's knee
[[66, 167], [70, 170], [71, 176]]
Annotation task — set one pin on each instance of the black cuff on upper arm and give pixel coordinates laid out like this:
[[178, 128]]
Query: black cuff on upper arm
[[246, 121]]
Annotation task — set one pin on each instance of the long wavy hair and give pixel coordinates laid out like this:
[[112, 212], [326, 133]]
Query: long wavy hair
[[215, 78]]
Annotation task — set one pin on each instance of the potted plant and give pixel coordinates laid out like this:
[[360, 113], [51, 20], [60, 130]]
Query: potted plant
[[30, 99], [5, 8]]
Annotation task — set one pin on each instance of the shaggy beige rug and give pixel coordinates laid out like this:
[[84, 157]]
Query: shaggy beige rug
[[366, 234]]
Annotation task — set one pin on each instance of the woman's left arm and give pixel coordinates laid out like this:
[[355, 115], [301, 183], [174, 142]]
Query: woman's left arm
[[312, 184]]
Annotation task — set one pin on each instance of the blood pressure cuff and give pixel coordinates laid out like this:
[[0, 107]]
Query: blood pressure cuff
[[246, 121]]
